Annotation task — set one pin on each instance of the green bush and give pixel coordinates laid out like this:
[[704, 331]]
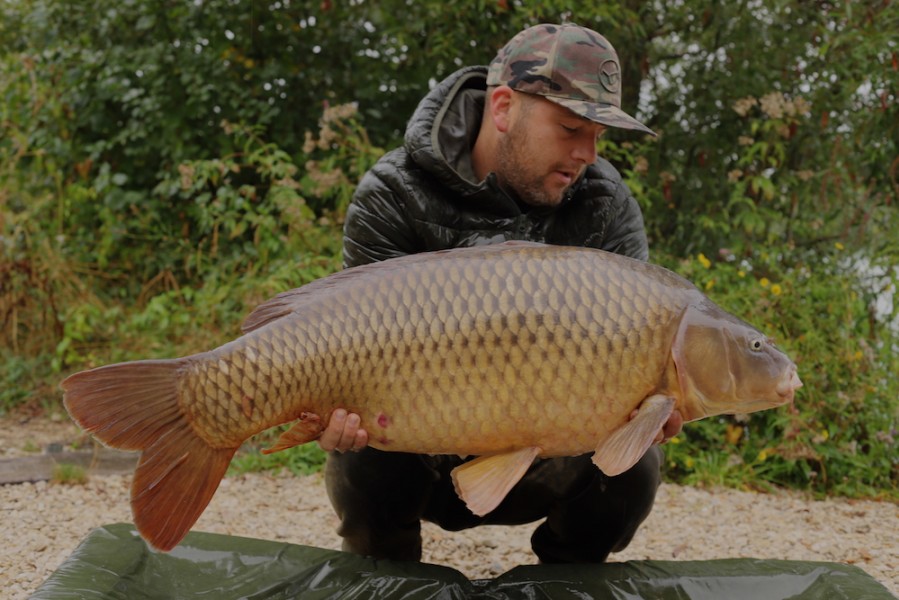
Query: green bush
[[840, 435], [165, 169]]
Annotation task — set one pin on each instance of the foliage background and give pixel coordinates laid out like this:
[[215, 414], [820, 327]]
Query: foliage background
[[164, 166]]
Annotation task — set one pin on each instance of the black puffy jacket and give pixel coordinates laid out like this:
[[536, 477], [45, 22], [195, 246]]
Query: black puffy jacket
[[424, 196]]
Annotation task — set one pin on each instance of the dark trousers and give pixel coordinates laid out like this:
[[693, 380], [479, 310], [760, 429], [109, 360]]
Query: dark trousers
[[381, 498]]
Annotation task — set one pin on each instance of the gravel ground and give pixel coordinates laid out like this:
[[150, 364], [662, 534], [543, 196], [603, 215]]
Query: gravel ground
[[42, 523]]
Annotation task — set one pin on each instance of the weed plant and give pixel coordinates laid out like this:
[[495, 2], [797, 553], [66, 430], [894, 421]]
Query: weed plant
[[69, 474]]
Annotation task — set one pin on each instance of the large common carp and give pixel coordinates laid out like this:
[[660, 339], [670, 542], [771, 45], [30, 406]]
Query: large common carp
[[509, 352]]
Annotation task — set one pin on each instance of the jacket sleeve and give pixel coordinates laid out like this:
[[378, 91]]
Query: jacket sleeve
[[620, 221], [626, 233], [377, 225]]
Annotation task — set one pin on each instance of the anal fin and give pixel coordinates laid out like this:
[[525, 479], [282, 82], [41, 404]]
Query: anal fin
[[483, 482], [627, 444], [307, 428]]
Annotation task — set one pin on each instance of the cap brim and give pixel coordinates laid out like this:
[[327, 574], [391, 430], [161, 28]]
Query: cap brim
[[604, 114]]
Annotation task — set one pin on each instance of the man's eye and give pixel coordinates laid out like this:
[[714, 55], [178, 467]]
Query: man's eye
[[570, 129]]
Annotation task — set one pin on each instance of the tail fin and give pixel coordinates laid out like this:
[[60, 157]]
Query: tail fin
[[134, 406]]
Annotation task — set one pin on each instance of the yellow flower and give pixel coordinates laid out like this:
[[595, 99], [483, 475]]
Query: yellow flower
[[733, 434], [709, 284], [839, 246], [705, 262], [674, 440], [776, 289], [688, 463], [821, 437], [741, 274], [763, 455], [764, 282]]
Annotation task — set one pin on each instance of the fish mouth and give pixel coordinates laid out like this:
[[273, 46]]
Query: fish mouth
[[788, 384]]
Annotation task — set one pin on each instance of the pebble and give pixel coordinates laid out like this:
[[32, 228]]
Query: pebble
[[43, 523]]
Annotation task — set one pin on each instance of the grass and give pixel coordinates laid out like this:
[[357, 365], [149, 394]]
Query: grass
[[69, 474], [299, 460]]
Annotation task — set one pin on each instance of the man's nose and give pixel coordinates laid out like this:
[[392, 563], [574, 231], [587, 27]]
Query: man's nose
[[585, 150]]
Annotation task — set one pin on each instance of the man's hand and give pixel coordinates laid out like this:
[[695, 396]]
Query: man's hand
[[343, 433], [671, 428]]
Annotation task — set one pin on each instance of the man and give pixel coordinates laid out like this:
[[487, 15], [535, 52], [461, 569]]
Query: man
[[494, 154]]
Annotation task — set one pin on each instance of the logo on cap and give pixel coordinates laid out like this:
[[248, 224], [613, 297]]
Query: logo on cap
[[610, 76]]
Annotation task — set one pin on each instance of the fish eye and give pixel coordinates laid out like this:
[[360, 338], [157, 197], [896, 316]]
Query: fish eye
[[756, 344]]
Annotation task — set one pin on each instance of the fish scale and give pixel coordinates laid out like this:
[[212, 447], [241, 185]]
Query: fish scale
[[505, 352], [411, 349]]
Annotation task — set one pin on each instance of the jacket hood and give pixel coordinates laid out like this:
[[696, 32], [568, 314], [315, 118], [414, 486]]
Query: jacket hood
[[444, 127]]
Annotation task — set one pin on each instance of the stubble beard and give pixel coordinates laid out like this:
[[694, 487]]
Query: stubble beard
[[523, 179]]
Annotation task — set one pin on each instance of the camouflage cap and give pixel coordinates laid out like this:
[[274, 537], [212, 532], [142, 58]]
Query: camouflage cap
[[570, 65]]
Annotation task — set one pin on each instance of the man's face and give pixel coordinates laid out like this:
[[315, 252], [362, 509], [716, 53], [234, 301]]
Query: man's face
[[545, 150]]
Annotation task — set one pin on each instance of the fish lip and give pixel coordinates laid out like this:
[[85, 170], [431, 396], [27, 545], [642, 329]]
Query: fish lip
[[788, 384]]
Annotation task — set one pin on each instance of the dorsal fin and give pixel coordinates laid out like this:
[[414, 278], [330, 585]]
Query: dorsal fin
[[294, 300]]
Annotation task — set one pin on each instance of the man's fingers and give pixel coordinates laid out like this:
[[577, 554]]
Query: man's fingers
[[343, 433], [348, 435], [673, 426], [360, 441], [331, 435]]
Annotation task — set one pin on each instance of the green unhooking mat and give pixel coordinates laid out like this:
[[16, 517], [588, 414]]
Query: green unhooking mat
[[114, 562]]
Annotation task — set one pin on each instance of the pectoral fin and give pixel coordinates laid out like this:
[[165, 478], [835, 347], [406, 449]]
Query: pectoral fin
[[627, 444], [485, 481], [309, 427]]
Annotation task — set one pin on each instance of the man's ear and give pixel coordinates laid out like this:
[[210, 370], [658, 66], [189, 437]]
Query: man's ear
[[499, 104]]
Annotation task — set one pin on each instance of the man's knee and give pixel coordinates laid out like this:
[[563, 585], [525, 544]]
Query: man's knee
[[603, 517], [379, 498]]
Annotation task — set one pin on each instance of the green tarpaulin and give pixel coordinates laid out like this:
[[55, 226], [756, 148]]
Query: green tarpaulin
[[114, 562]]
